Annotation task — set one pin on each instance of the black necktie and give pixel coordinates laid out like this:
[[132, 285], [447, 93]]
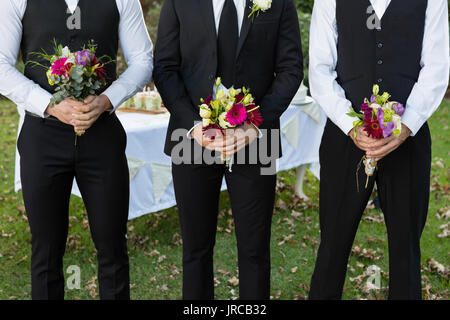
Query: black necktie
[[227, 42]]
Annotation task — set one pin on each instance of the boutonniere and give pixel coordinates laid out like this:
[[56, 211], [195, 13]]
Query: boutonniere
[[258, 6]]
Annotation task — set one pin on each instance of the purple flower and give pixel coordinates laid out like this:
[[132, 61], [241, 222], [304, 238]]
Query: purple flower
[[398, 108], [373, 98], [380, 116], [84, 57], [388, 129]]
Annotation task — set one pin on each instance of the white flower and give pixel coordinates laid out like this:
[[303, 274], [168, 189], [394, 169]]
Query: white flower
[[258, 6], [205, 112], [223, 122], [71, 58], [65, 52], [375, 106], [263, 4], [398, 122], [206, 122]]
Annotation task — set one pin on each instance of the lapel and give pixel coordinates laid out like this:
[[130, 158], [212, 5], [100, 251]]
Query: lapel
[[206, 10], [246, 26]]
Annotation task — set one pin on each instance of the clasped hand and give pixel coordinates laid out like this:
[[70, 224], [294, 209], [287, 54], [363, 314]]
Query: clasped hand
[[378, 148], [230, 143], [81, 115]]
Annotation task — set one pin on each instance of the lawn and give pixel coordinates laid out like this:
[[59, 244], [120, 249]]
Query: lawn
[[155, 246]]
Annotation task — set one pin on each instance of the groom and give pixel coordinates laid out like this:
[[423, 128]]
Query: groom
[[407, 55], [199, 40]]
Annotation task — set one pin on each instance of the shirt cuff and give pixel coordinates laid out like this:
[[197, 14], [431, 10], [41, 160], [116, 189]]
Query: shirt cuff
[[38, 100], [260, 134], [188, 134], [345, 123], [117, 95], [412, 120]]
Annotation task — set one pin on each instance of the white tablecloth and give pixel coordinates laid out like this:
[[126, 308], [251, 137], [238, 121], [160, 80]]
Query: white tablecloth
[[151, 187]]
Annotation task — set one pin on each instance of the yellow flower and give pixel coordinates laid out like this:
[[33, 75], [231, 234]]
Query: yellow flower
[[376, 89], [248, 99], [215, 104], [49, 77], [233, 92], [220, 95]]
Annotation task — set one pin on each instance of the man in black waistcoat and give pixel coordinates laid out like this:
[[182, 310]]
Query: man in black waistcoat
[[403, 47], [199, 40], [51, 154]]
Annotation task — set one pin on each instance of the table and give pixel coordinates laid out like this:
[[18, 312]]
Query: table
[[151, 186]]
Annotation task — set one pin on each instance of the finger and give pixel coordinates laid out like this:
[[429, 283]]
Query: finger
[[89, 99], [239, 147], [383, 150], [381, 142], [89, 116], [224, 142], [81, 123], [83, 108]]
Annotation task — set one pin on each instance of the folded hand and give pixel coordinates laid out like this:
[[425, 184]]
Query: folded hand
[[382, 147], [87, 113]]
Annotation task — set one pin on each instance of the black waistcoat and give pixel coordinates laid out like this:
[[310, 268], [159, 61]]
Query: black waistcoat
[[45, 20], [389, 57]]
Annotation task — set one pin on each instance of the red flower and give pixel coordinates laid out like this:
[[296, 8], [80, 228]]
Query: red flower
[[254, 116], [239, 97], [208, 101], [373, 129], [101, 73]]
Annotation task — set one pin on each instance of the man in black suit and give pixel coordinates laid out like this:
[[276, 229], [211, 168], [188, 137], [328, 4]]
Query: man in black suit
[[199, 40]]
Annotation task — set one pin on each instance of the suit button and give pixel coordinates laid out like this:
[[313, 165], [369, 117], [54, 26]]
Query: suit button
[[380, 45], [211, 77], [380, 80], [380, 61]]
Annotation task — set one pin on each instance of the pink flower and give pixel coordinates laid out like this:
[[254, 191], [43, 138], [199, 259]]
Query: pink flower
[[237, 115], [61, 68]]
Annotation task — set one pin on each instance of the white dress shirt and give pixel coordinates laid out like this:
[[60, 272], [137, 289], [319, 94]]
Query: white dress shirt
[[134, 41], [426, 94], [217, 8]]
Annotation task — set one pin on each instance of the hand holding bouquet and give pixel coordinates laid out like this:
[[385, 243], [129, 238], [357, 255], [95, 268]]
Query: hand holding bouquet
[[74, 74], [230, 109], [380, 118]]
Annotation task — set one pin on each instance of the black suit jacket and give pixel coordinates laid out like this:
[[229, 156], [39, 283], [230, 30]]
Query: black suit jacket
[[268, 60]]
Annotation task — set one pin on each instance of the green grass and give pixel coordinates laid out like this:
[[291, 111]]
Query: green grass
[[155, 249]]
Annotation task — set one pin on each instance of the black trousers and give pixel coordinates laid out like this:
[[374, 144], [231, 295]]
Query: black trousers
[[403, 180], [252, 195], [49, 162]]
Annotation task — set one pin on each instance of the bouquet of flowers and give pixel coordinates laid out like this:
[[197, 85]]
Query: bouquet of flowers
[[229, 109], [380, 118], [74, 74]]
